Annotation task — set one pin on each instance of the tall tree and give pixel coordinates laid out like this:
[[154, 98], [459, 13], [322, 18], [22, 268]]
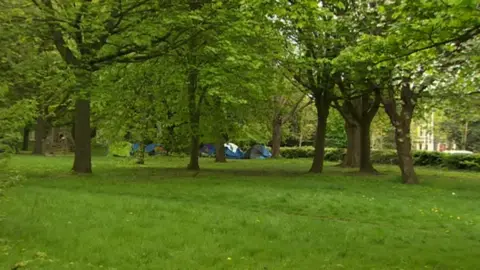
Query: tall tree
[[90, 34], [231, 39], [315, 30]]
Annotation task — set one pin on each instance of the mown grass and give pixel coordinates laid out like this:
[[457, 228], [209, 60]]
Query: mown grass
[[245, 214]]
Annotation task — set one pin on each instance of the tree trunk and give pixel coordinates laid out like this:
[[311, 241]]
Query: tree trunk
[[323, 106], [405, 158], [352, 157], [141, 154], [194, 112], [195, 145], [83, 152], [40, 135], [26, 133], [365, 147], [276, 136], [220, 150]]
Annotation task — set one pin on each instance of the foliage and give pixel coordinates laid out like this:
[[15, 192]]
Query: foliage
[[386, 156], [423, 158], [335, 136], [13, 117], [121, 149]]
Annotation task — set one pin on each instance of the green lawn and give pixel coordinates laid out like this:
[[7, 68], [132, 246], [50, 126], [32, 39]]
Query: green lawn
[[247, 214]]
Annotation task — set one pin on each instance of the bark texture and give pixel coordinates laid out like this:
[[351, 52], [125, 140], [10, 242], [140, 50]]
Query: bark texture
[[322, 103], [365, 148], [401, 118], [194, 111], [352, 156], [220, 150], [358, 114], [83, 147], [405, 158]]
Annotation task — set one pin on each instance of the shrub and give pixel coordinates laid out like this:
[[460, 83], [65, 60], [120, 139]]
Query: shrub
[[420, 158], [334, 154], [384, 157], [461, 162], [423, 158], [297, 152]]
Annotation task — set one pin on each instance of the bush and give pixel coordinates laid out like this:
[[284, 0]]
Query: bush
[[297, 152], [334, 154], [384, 157], [462, 162], [420, 158], [423, 158], [331, 154]]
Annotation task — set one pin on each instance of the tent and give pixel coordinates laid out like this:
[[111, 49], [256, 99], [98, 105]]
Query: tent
[[258, 151], [151, 149], [232, 151], [207, 150]]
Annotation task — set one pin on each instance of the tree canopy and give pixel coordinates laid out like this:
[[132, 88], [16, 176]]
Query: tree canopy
[[209, 71]]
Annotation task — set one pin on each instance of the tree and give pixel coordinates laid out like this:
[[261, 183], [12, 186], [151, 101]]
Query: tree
[[358, 113], [315, 33], [403, 58], [13, 117], [286, 104], [90, 34], [134, 88], [232, 42]]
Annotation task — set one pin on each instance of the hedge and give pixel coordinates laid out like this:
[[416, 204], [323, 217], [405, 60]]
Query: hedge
[[421, 158]]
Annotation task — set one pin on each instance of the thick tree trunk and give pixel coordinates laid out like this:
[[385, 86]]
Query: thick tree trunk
[[352, 157], [365, 147], [40, 135], [276, 136], [83, 152], [322, 106], [401, 121], [220, 150], [405, 158]]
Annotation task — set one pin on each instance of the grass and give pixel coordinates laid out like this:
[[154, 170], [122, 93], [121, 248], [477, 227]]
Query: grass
[[245, 214]]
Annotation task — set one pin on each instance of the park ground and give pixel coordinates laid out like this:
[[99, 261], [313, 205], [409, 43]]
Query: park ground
[[246, 214]]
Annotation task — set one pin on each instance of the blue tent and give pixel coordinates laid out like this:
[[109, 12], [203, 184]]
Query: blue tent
[[207, 150], [258, 151], [232, 151]]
